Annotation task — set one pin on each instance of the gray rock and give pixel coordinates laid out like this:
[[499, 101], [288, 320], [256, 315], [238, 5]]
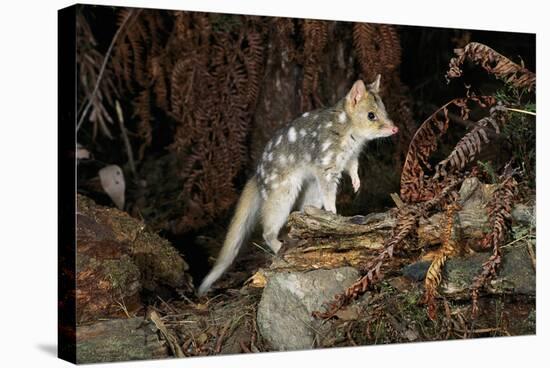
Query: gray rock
[[284, 313], [515, 276], [524, 214]]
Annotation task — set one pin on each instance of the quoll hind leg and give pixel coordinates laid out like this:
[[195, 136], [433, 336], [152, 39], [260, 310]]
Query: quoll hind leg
[[275, 213], [310, 196]]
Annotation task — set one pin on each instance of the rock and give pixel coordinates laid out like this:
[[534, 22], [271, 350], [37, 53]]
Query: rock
[[515, 276], [284, 313], [117, 259], [119, 340], [524, 214], [416, 271]]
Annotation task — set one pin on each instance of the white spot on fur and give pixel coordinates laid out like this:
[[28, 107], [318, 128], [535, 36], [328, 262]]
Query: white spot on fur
[[305, 115], [342, 117], [279, 140], [329, 124], [328, 176], [326, 160], [292, 135], [291, 158], [264, 194], [313, 146], [269, 145], [314, 134], [314, 116], [270, 157], [325, 146], [275, 185], [272, 177], [303, 132]]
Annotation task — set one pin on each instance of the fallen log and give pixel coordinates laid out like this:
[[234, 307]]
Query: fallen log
[[119, 340]]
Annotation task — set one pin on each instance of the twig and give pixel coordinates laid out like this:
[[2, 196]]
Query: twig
[[397, 200], [129, 151], [222, 334], [516, 240], [122, 306], [103, 66], [532, 255], [275, 255], [521, 111], [167, 305], [170, 338], [244, 348]]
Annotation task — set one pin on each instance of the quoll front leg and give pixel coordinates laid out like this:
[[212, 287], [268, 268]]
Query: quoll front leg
[[328, 186], [353, 170]]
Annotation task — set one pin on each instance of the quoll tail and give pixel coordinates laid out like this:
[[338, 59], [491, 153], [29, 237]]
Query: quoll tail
[[241, 226]]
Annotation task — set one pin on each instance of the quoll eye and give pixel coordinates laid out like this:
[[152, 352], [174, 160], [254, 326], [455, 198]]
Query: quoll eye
[[371, 116]]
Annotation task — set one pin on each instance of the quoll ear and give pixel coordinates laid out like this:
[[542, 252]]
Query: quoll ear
[[375, 86], [356, 93]]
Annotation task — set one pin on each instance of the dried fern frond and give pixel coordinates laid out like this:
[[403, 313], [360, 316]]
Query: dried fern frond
[[470, 145], [315, 40], [415, 186], [214, 86], [494, 63], [500, 216], [449, 247], [140, 41], [378, 49], [96, 92]]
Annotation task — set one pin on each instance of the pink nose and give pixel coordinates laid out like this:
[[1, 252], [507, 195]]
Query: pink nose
[[394, 130]]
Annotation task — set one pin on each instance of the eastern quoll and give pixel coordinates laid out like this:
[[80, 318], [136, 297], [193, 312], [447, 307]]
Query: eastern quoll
[[302, 165]]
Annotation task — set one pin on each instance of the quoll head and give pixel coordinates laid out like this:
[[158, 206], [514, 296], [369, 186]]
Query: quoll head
[[367, 112]]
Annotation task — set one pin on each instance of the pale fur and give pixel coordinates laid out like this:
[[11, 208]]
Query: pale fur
[[246, 215]]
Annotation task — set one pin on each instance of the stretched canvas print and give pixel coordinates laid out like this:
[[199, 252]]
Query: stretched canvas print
[[248, 184]]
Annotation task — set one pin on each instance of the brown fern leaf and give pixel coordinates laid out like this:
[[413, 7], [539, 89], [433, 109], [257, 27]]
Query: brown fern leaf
[[449, 247], [213, 92], [388, 42], [89, 61], [378, 49], [315, 39], [363, 39], [470, 144], [494, 63], [160, 83], [415, 187], [253, 58], [123, 54], [142, 109], [500, 216], [283, 38]]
